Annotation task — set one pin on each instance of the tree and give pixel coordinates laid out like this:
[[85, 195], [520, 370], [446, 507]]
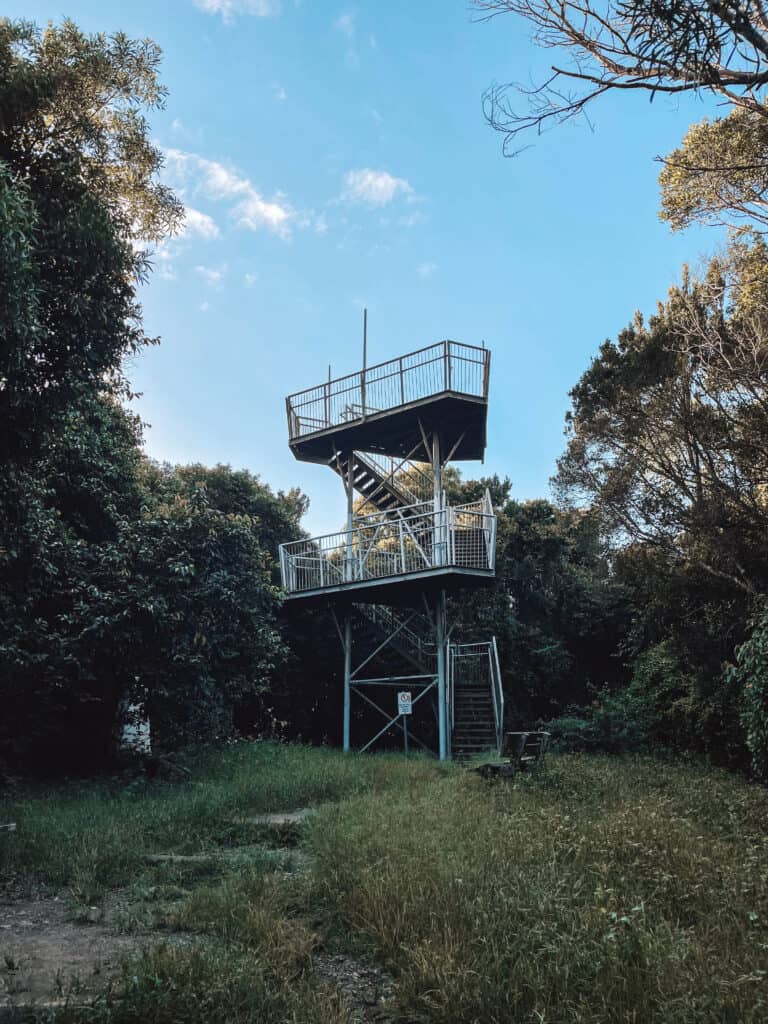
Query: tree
[[192, 629], [668, 441], [719, 175], [234, 492], [77, 186], [553, 606], [62, 561], [631, 45], [669, 426], [68, 96], [750, 675]]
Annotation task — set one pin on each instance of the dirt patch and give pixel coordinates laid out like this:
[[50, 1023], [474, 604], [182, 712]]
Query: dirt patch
[[45, 956], [279, 818], [367, 989]]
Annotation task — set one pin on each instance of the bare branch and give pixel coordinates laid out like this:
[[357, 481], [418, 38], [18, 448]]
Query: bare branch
[[648, 45]]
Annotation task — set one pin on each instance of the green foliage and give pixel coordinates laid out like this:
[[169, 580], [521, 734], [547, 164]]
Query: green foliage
[[668, 436], [83, 97], [119, 581], [553, 606], [750, 674], [232, 492], [619, 723], [76, 181], [717, 175]]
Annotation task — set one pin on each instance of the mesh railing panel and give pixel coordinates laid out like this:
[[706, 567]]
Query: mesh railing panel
[[462, 537], [447, 366]]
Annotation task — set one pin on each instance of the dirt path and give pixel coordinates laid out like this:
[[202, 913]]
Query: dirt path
[[45, 955], [367, 989]]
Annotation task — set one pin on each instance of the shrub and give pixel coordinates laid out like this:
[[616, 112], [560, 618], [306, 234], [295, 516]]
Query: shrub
[[750, 674]]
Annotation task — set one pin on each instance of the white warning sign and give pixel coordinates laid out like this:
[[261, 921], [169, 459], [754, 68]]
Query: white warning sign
[[404, 702]]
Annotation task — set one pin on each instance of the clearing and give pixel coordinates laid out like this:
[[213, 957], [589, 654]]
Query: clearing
[[281, 883]]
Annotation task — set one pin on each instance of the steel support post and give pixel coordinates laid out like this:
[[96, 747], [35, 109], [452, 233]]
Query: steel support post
[[349, 487], [438, 547], [347, 676], [442, 717]]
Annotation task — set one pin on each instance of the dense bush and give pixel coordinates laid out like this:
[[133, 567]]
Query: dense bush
[[750, 674]]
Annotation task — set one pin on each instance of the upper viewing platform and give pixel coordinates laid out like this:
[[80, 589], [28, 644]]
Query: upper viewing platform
[[390, 407]]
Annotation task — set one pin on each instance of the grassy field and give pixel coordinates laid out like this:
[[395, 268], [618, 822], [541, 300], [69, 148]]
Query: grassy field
[[621, 890]]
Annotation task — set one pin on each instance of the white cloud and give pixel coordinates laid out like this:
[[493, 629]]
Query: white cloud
[[198, 225], [321, 224], [255, 212], [213, 276], [279, 92], [345, 23], [426, 270], [204, 307], [218, 182], [250, 279], [229, 8], [410, 220], [377, 188]]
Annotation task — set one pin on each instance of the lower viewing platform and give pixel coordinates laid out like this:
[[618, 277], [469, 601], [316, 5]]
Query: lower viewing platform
[[412, 548]]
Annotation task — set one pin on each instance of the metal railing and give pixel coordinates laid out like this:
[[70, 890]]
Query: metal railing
[[498, 695], [402, 475], [446, 366], [375, 549]]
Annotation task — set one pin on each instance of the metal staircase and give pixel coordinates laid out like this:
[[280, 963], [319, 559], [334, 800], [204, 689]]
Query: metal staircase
[[411, 635], [385, 483], [477, 698]]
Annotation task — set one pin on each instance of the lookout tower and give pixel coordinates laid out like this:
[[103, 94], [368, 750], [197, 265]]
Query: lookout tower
[[388, 431]]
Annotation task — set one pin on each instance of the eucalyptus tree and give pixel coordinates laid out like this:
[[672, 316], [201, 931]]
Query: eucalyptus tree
[[719, 173]]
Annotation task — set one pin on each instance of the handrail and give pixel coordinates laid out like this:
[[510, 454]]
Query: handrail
[[397, 359], [376, 517], [420, 649], [482, 669], [460, 537], [446, 366], [498, 695], [451, 696], [400, 473]]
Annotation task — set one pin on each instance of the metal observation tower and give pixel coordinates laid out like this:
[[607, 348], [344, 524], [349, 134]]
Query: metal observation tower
[[388, 431]]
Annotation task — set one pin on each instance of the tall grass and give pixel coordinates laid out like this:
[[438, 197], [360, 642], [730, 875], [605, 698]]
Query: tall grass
[[603, 890], [600, 890], [93, 837]]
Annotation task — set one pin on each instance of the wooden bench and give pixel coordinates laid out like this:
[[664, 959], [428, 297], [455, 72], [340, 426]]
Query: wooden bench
[[523, 751]]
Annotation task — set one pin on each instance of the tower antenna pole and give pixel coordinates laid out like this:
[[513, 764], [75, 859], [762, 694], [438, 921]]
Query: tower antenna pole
[[365, 359]]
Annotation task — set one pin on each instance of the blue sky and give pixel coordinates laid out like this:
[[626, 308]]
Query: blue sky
[[334, 156]]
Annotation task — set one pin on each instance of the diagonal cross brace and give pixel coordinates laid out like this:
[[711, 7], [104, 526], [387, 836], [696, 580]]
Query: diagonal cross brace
[[383, 644], [394, 720]]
